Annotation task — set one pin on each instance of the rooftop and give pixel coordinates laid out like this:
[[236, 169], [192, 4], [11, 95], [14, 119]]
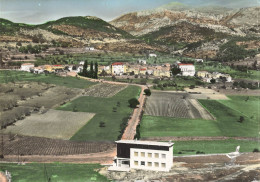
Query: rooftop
[[118, 63], [167, 144], [183, 64]]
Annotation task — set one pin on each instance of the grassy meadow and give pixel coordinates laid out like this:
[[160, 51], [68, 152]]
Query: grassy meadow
[[213, 146], [104, 109], [57, 172]]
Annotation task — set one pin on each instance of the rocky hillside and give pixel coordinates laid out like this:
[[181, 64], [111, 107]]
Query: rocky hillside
[[71, 32], [234, 22], [195, 32]]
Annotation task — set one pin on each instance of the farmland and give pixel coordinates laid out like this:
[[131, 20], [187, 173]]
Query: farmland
[[226, 112], [111, 111], [177, 105], [213, 146], [17, 76], [27, 145], [19, 100], [38, 172], [104, 90], [49, 124]]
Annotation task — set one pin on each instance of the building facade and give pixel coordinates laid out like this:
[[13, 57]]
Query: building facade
[[27, 67], [145, 155], [187, 69], [118, 68]]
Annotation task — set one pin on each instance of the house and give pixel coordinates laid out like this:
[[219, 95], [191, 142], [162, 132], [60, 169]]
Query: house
[[90, 48], [81, 62], [118, 68], [152, 55], [187, 69], [199, 60], [146, 155], [27, 67], [38, 70], [142, 71], [141, 61], [203, 74]]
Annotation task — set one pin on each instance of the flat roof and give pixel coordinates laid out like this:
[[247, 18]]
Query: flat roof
[[139, 142]]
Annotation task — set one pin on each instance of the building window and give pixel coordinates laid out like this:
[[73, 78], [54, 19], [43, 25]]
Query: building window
[[136, 154], [150, 155], [142, 154], [163, 165], [149, 164], [136, 163], [156, 155], [163, 156], [156, 164], [142, 163]]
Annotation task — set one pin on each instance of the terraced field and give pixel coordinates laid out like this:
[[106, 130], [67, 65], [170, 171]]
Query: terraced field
[[104, 90], [177, 105]]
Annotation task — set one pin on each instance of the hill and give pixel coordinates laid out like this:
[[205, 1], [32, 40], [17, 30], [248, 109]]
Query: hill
[[73, 32]]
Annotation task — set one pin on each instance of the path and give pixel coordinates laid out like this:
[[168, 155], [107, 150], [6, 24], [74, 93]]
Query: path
[[2, 177]]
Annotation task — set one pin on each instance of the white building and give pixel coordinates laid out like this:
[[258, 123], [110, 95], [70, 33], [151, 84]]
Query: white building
[[146, 155], [141, 61], [118, 68], [81, 62], [27, 67], [152, 55], [187, 69], [90, 48], [199, 60]]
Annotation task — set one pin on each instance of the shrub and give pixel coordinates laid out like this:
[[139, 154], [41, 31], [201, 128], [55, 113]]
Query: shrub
[[241, 119], [133, 102], [147, 92], [102, 124], [256, 150]]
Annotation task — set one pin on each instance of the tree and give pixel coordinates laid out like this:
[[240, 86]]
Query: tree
[[102, 124], [212, 81], [91, 72], [176, 71], [241, 119], [96, 70], [85, 69], [133, 102], [147, 92]]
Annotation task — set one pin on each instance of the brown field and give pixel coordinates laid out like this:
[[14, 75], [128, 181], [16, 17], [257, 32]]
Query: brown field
[[27, 145], [104, 90], [205, 93], [177, 105], [52, 124]]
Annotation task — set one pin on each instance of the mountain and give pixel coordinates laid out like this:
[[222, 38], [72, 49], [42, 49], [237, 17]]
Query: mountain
[[72, 32], [192, 31], [225, 20]]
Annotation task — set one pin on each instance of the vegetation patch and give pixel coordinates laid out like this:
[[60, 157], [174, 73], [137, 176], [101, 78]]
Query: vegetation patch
[[39, 172], [110, 111]]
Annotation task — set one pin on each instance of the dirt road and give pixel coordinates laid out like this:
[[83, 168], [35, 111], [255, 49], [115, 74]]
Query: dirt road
[[2, 178]]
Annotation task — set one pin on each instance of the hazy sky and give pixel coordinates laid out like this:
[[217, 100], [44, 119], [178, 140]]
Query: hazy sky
[[40, 11]]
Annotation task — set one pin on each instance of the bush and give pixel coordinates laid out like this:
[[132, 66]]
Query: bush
[[147, 92], [133, 102], [200, 152], [256, 150], [102, 124], [241, 119]]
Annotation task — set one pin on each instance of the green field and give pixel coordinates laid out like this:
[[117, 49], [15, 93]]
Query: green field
[[103, 107], [227, 112], [57, 172], [213, 146], [16, 76]]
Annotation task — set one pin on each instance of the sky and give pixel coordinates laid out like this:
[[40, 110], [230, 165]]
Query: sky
[[40, 11]]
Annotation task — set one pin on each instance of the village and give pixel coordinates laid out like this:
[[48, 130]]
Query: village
[[139, 69]]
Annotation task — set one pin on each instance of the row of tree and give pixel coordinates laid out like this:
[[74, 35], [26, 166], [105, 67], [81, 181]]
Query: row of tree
[[92, 72]]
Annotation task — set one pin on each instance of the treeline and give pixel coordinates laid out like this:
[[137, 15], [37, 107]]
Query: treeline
[[92, 72], [33, 49]]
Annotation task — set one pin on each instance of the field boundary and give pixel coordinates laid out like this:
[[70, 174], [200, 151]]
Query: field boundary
[[199, 138]]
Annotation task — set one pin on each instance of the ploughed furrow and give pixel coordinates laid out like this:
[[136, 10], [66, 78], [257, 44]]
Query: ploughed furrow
[[168, 105], [26, 145]]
